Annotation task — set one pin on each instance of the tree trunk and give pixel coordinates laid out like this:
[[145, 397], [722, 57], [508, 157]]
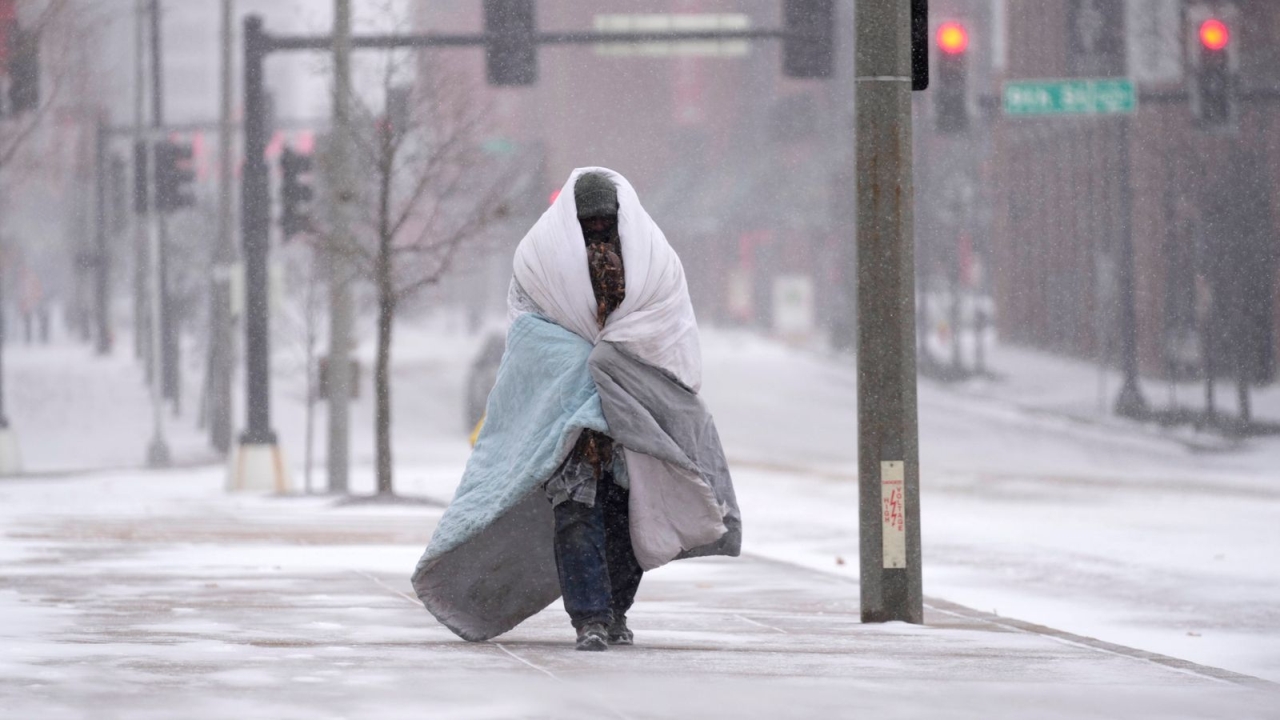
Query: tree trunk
[[382, 389]]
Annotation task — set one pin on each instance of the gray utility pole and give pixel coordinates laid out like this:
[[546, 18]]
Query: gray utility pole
[[101, 257], [158, 453], [222, 330], [168, 327], [339, 378], [888, 442]]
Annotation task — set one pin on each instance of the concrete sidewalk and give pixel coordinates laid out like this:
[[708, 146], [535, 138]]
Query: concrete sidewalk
[[154, 595]]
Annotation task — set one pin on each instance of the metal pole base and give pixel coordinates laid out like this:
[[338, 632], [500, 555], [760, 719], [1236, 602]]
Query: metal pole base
[[259, 467], [158, 454], [1130, 403], [10, 457]]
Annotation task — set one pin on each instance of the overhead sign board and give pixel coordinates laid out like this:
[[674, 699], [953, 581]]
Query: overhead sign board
[[674, 22], [1102, 96]]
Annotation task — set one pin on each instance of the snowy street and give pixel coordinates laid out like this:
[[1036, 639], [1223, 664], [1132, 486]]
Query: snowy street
[[1070, 571], [656, 360]]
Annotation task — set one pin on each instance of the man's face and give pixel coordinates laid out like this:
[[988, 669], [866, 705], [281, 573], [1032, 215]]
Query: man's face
[[595, 224], [599, 229]]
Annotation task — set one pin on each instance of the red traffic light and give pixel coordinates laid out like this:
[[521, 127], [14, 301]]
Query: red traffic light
[[1214, 34], [953, 39]]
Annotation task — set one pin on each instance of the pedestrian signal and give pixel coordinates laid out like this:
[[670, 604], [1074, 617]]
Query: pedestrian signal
[[510, 50], [951, 91]]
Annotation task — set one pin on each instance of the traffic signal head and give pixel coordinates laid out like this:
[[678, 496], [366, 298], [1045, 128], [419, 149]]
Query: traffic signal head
[[1214, 60], [295, 192], [919, 45], [951, 89], [24, 71], [174, 175], [1214, 35], [510, 51], [808, 47], [953, 38]]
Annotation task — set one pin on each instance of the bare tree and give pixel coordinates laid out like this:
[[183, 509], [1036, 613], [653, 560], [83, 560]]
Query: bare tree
[[426, 189], [300, 329]]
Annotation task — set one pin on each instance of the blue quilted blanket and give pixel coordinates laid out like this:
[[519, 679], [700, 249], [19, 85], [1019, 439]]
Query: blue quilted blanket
[[544, 396]]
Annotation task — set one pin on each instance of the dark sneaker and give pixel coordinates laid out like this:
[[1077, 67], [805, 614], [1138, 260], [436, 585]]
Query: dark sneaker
[[620, 634], [593, 637]]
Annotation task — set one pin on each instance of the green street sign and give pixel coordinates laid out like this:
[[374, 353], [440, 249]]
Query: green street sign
[[1104, 96], [498, 145]]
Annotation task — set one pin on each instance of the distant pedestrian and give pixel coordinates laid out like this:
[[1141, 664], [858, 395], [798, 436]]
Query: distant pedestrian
[[595, 417], [35, 314]]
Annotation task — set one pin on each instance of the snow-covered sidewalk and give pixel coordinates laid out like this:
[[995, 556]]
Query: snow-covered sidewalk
[[147, 595]]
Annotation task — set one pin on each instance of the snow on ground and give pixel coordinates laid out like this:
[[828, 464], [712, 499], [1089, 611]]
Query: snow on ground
[[144, 594], [74, 411], [1033, 507]]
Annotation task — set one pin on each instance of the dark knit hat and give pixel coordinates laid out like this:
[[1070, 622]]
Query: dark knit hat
[[595, 195]]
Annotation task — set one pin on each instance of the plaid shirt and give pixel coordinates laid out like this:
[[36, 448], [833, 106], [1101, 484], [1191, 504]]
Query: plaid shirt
[[577, 477]]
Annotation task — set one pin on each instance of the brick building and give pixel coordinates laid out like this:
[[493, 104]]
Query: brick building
[[1205, 204]]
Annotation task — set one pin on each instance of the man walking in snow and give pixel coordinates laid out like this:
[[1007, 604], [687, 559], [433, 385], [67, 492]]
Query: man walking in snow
[[599, 574], [597, 460]]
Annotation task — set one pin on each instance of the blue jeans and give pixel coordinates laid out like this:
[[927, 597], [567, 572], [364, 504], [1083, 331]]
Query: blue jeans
[[599, 574]]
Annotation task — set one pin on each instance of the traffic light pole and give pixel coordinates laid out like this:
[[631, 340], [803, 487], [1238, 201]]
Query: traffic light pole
[[1130, 402], [158, 451], [258, 464], [888, 452]]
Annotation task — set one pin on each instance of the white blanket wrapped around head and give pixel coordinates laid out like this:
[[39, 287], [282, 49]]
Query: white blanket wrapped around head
[[655, 322]]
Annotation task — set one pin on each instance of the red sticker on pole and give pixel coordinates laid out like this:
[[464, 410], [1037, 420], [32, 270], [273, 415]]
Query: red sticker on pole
[[893, 513]]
